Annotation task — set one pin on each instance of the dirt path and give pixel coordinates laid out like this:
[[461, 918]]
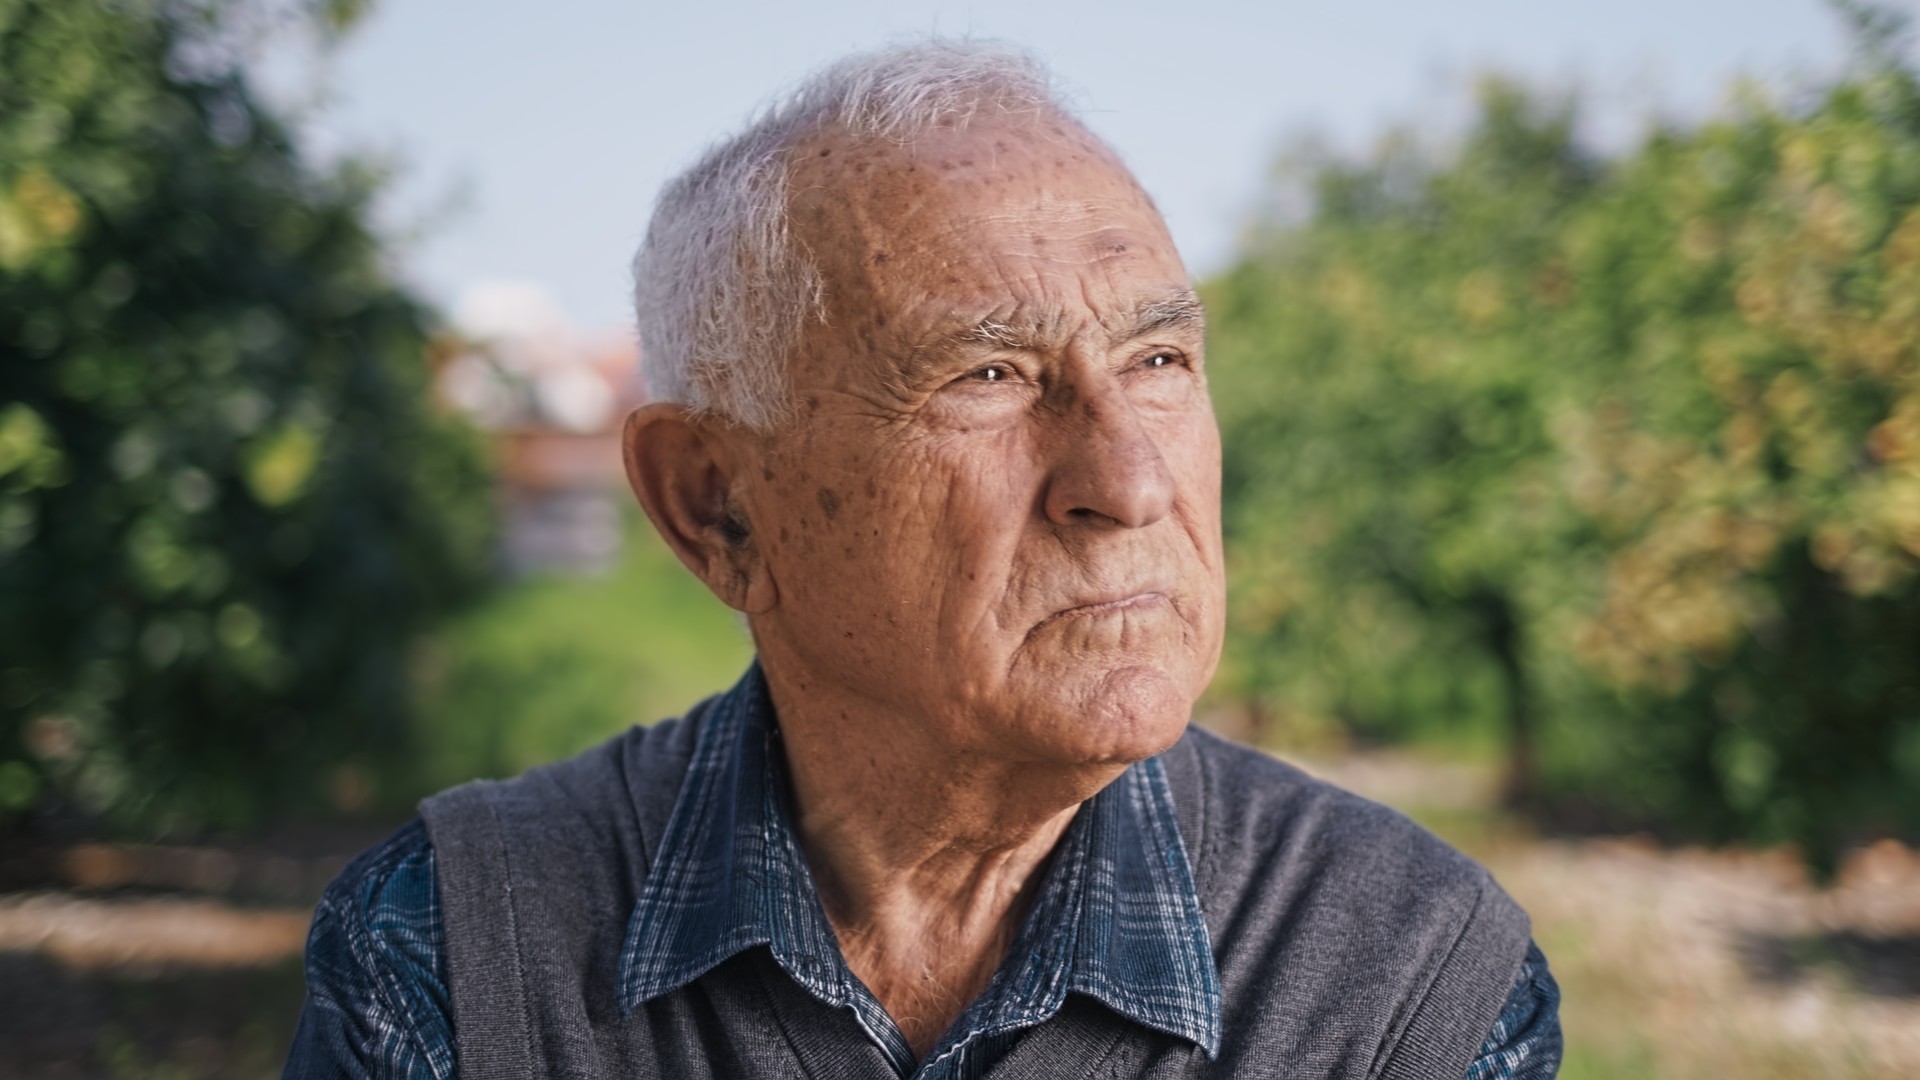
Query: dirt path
[[148, 933], [121, 961], [1727, 964]]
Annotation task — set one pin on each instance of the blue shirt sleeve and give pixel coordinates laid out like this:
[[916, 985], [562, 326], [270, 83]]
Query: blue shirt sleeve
[[376, 1005], [1525, 1041]]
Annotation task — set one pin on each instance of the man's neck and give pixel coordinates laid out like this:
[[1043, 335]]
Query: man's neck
[[926, 859]]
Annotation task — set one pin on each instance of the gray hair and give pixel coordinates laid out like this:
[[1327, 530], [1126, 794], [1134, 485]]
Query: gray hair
[[720, 289]]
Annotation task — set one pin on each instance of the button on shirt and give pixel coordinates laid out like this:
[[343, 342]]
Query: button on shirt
[[1116, 917]]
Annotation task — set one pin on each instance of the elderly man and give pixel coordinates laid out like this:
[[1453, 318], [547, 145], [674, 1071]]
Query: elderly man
[[931, 411]]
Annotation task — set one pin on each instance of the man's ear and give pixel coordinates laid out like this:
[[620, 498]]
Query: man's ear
[[682, 470]]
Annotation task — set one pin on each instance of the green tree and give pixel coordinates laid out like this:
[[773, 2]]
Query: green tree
[[226, 506], [1624, 452], [1380, 416]]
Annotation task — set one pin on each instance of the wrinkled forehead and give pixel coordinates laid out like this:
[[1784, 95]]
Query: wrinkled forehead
[[906, 229], [847, 164]]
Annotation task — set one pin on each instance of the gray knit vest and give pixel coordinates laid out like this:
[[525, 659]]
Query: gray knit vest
[[1350, 942]]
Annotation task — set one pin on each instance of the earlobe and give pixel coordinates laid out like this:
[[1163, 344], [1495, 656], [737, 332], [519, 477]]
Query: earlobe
[[681, 469]]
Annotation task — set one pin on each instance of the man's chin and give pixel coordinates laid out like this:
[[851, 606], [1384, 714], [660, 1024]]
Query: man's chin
[[1117, 717]]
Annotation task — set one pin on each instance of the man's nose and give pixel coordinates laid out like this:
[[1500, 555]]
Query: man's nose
[[1108, 470]]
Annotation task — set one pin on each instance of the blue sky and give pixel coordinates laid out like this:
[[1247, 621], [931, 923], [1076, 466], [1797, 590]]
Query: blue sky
[[530, 138]]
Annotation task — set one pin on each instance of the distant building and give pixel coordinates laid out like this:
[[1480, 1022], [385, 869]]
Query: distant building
[[552, 402]]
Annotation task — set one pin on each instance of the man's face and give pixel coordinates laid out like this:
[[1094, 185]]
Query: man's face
[[997, 512]]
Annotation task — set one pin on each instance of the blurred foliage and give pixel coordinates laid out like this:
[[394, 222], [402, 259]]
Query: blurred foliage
[[1616, 461], [552, 665], [226, 508]]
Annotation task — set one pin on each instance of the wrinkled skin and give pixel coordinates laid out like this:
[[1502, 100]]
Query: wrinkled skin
[[982, 561], [1017, 549]]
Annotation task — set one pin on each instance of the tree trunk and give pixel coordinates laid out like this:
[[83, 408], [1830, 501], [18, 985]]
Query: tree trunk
[[1503, 637]]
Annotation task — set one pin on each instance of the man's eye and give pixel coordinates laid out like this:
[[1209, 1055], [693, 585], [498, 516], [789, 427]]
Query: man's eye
[[992, 373], [1160, 360]]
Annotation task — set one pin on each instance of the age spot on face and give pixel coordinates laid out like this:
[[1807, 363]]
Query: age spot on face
[[829, 503]]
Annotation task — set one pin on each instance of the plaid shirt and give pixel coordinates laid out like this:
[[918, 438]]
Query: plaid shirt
[[1116, 917]]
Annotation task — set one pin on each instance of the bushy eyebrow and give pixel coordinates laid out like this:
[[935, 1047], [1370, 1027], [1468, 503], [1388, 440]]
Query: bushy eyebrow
[[1182, 311], [996, 335], [1179, 311]]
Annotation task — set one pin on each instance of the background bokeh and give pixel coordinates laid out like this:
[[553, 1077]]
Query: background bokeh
[[1572, 426]]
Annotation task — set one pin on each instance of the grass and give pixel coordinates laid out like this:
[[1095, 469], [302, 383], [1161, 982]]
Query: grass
[[552, 665]]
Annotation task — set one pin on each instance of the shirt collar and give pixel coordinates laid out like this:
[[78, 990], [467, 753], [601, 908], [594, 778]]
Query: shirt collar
[[1117, 916]]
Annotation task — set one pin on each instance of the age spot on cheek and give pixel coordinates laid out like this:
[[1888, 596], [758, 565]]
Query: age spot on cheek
[[829, 503]]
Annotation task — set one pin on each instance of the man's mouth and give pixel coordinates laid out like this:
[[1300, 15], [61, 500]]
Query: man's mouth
[[1127, 604]]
